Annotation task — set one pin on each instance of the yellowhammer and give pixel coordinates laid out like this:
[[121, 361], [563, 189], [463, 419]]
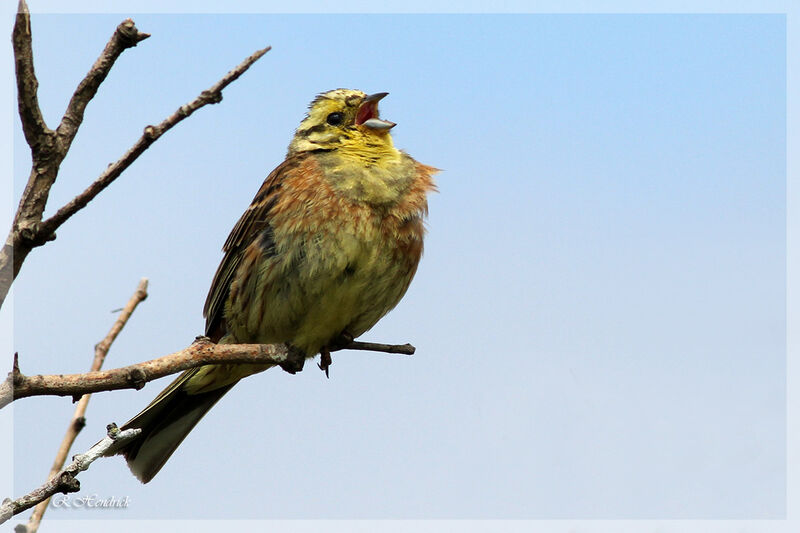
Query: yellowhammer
[[327, 247]]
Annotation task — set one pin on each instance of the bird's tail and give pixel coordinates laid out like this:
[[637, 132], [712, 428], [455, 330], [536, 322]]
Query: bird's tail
[[175, 412], [166, 422]]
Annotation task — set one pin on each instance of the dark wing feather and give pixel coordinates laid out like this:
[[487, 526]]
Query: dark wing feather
[[253, 224]]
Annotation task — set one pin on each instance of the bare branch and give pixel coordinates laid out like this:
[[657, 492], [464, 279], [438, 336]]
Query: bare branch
[[102, 347], [404, 349], [125, 36], [41, 140], [151, 133], [201, 352], [48, 147], [78, 420], [27, 85], [65, 481]]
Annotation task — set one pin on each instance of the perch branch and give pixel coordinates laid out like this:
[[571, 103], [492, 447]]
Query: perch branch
[[66, 481], [201, 352], [404, 349], [78, 420]]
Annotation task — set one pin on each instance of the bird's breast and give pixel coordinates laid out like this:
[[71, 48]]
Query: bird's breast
[[337, 263]]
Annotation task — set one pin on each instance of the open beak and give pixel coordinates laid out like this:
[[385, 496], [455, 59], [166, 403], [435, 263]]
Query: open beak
[[368, 113]]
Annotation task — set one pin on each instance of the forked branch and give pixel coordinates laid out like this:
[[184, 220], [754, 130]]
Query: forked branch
[[49, 147]]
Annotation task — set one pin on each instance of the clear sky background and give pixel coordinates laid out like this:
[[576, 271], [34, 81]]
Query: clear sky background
[[600, 315]]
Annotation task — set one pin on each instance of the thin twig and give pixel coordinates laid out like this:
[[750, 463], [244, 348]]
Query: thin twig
[[404, 349], [102, 347], [78, 420], [125, 36], [201, 352], [65, 481], [151, 133]]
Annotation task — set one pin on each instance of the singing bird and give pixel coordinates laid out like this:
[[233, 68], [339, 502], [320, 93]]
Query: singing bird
[[327, 247]]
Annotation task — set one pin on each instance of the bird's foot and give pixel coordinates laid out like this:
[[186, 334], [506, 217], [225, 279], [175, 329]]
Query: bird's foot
[[325, 361], [341, 342], [295, 360]]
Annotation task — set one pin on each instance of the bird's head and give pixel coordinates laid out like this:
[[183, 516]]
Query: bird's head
[[341, 118]]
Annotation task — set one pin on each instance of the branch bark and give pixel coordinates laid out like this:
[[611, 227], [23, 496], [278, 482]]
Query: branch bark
[[65, 481], [49, 148], [78, 420], [201, 352], [33, 124]]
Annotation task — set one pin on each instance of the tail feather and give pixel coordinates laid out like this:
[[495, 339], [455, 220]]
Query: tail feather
[[165, 423]]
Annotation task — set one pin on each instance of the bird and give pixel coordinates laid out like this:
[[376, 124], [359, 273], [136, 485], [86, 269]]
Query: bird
[[327, 247]]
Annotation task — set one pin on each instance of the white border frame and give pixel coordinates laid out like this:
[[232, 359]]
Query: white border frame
[[791, 9]]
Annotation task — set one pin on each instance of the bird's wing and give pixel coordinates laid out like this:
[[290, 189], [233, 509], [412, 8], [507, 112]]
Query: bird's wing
[[254, 223]]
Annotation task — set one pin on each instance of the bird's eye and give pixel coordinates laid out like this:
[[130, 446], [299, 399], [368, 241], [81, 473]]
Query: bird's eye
[[334, 119]]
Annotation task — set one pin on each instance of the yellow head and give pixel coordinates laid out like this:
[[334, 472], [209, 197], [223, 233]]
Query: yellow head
[[342, 118]]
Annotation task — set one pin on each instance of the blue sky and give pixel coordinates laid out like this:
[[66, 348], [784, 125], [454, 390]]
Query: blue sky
[[600, 315]]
